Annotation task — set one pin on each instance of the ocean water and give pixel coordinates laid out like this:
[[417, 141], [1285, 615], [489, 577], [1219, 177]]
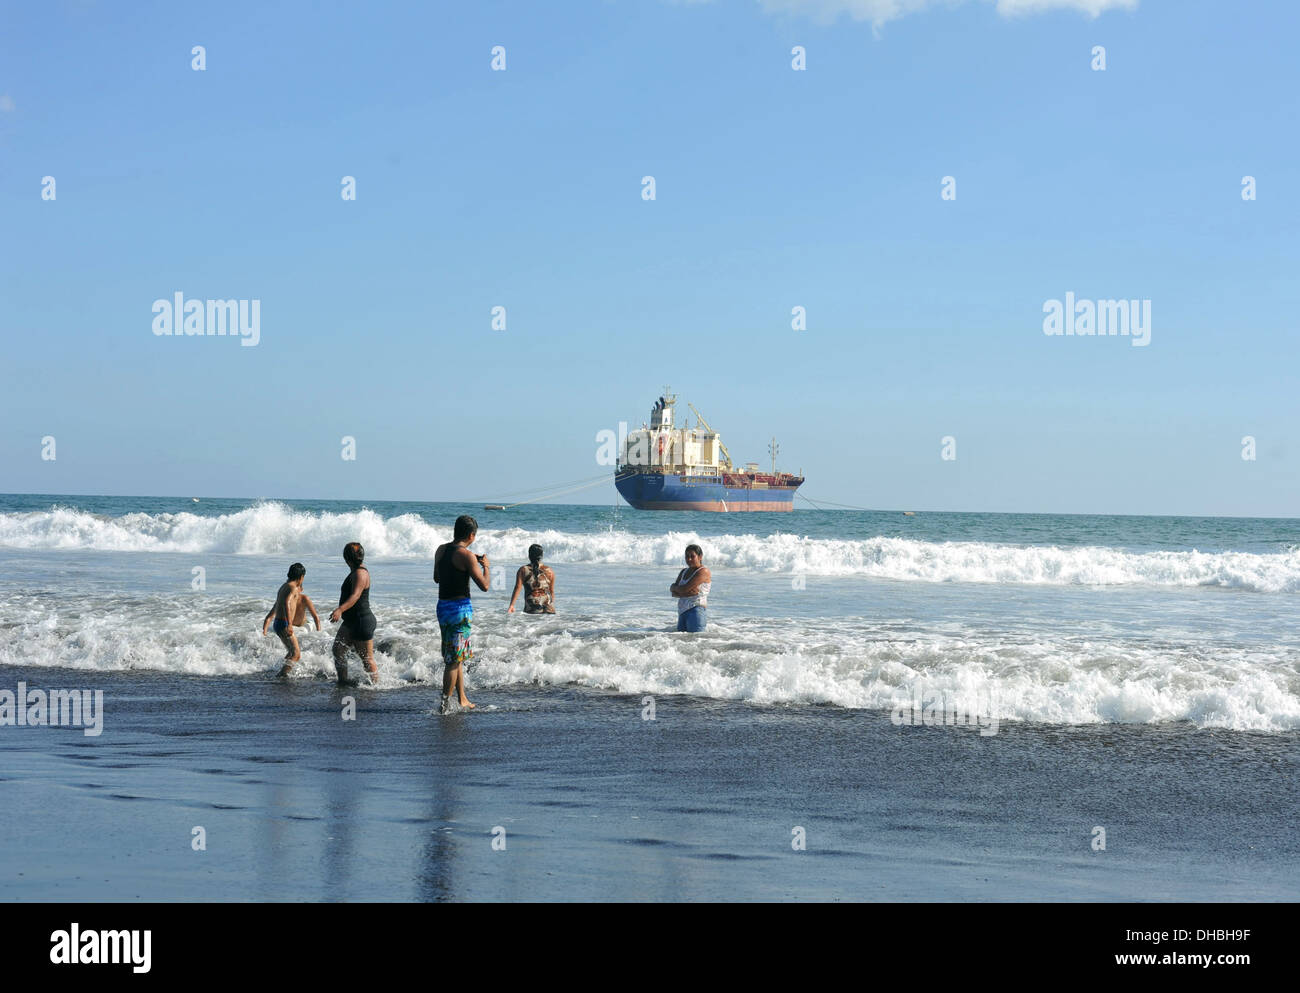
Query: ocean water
[[1045, 619]]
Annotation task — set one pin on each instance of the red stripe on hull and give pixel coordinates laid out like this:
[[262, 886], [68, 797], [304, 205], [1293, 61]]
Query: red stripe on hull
[[767, 506]]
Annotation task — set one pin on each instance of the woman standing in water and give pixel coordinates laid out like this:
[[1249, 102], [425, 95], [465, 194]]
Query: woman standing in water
[[358, 628], [539, 581], [692, 591]]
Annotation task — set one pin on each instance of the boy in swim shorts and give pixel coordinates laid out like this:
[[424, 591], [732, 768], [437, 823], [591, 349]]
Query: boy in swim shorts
[[454, 567], [291, 604]]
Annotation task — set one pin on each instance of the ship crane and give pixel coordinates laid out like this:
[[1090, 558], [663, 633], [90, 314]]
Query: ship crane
[[726, 455]]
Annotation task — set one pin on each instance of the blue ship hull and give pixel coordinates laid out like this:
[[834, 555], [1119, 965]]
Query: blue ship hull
[[661, 491]]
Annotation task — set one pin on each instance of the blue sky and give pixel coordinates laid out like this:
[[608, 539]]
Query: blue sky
[[775, 188]]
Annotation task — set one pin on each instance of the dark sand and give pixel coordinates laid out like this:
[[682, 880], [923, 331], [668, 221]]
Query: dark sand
[[598, 804]]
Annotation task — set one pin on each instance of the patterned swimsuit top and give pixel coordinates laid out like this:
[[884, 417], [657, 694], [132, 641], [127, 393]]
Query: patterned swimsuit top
[[701, 597], [537, 590]]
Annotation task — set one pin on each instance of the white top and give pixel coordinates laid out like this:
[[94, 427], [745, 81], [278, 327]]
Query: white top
[[700, 599]]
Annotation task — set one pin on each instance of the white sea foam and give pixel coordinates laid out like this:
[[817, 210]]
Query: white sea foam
[[273, 528], [1051, 677]]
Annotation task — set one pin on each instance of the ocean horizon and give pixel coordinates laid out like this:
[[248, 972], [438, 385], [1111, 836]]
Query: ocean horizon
[[808, 504]]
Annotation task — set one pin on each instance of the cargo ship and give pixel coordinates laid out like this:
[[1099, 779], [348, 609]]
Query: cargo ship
[[665, 467]]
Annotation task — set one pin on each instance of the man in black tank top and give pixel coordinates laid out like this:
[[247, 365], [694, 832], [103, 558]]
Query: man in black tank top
[[454, 565]]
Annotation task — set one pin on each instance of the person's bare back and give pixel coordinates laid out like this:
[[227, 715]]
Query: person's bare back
[[291, 605]]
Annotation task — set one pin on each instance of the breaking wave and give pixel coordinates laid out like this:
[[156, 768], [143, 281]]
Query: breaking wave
[[275, 529], [1051, 677]]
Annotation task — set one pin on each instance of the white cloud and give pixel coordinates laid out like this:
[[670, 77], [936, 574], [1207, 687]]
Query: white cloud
[[880, 11], [6, 103], [1093, 8]]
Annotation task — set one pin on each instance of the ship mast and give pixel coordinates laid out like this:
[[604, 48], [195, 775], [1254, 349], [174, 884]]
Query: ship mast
[[774, 449], [661, 416]]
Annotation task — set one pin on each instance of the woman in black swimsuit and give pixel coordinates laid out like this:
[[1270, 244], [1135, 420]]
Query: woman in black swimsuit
[[358, 628]]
